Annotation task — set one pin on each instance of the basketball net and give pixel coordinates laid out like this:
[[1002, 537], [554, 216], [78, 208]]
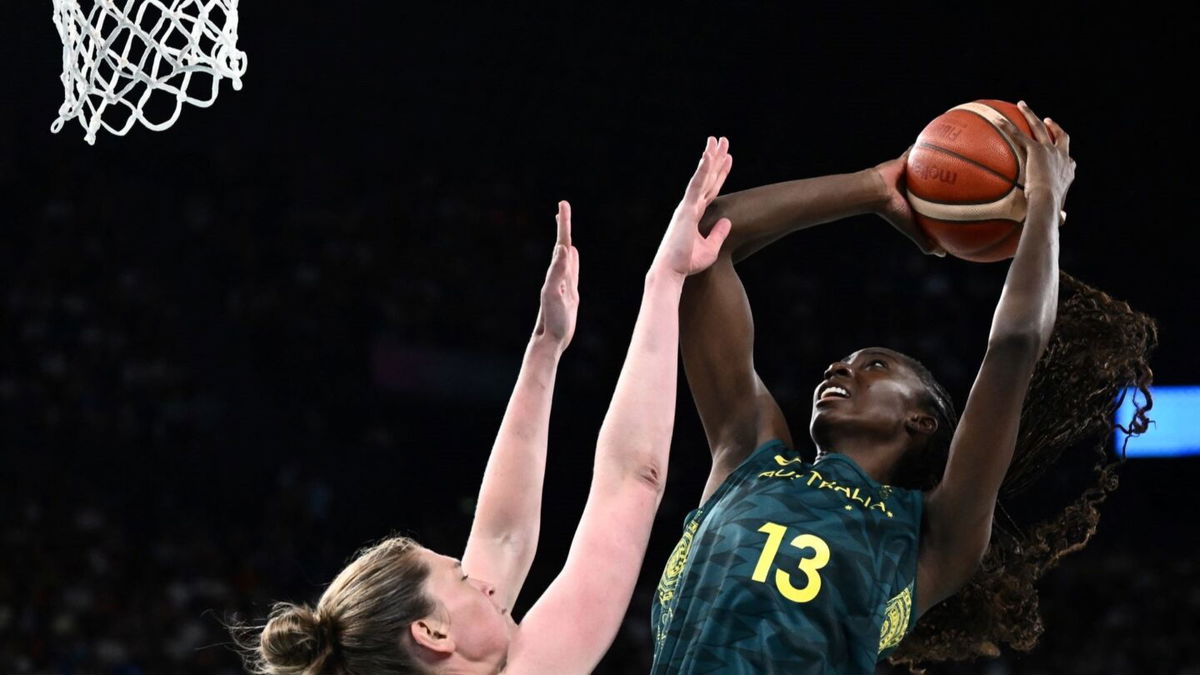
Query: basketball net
[[118, 53]]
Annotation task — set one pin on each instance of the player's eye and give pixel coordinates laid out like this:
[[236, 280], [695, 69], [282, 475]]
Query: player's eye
[[877, 362]]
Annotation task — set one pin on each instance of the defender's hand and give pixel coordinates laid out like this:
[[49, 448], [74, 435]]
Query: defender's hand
[[560, 293], [683, 249]]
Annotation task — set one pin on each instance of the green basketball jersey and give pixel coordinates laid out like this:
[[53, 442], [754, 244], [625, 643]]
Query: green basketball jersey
[[790, 567]]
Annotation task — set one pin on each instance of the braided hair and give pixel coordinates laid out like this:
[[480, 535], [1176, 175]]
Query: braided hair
[[1099, 349]]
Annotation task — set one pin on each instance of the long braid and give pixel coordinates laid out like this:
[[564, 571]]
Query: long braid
[[1099, 348]]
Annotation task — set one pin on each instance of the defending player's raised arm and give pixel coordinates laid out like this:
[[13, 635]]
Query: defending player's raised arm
[[504, 534], [959, 511], [572, 625]]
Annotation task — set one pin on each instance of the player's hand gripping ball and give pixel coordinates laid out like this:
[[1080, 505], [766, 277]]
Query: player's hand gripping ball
[[966, 181]]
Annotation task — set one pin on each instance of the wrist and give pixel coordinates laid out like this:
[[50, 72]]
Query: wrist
[[870, 191], [1042, 203], [543, 346], [661, 275], [1040, 194]]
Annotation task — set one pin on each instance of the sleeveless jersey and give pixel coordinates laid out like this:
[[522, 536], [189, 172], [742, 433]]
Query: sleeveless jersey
[[790, 567]]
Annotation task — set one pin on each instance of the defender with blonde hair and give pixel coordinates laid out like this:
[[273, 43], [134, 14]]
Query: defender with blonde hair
[[402, 608]]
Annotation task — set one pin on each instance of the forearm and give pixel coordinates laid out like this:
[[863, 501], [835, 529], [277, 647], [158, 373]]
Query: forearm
[[631, 463], [1029, 301], [635, 437], [763, 214], [960, 508], [509, 506]]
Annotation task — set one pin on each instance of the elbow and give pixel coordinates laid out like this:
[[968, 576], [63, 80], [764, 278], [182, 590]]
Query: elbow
[[520, 546], [633, 484], [643, 471], [634, 454], [632, 468], [651, 474]]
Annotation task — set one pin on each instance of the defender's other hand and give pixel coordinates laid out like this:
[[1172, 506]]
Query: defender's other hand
[[560, 293]]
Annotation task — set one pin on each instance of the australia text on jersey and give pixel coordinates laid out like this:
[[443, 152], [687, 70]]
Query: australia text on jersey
[[812, 478]]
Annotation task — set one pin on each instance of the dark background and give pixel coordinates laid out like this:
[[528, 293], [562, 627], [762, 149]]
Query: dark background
[[235, 351]]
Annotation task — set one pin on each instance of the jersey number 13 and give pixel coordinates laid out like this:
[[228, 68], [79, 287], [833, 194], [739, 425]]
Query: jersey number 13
[[808, 566]]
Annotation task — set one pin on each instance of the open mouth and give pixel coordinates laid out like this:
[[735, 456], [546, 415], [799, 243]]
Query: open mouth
[[832, 391]]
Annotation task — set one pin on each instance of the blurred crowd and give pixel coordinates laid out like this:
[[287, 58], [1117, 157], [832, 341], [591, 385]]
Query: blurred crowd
[[209, 399]]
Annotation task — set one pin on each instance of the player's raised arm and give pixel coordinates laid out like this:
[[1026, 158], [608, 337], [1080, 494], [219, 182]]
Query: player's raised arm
[[763, 214], [504, 534], [717, 328], [572, 625], [959, 511]]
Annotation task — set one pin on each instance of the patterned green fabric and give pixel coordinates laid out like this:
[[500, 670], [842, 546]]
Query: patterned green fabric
[[790, 567]]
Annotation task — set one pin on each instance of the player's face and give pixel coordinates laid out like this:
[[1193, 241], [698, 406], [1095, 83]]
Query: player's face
[[481, 629], [873, 389]]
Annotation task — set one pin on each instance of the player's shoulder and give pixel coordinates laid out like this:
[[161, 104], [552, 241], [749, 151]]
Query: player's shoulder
[[771, 453]]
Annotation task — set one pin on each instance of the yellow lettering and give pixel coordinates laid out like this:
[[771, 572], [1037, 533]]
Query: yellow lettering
[[808, 566], [774, 532]]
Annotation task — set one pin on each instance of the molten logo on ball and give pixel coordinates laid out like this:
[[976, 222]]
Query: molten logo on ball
[[932, 172], [943, 131]]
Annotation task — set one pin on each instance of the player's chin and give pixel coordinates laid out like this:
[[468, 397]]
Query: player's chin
[[830, 412]]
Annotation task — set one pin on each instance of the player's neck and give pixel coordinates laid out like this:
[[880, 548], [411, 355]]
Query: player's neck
[[875, 458]]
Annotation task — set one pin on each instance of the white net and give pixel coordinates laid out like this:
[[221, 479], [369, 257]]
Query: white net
[[129, 61]]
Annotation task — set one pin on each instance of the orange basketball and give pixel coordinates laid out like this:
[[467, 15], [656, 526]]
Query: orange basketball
[[966, 181]]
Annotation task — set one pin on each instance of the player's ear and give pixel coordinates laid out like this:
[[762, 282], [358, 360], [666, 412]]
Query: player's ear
[[921, 423], [433, 635]]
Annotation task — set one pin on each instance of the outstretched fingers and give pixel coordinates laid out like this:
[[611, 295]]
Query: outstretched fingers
[[563, 219], [560, 268], [722, 174], [564, 265], [715, 164], [697, 184], [1014, 132], [560, 292], [1040, 133], [722, 162], [1062, 140]]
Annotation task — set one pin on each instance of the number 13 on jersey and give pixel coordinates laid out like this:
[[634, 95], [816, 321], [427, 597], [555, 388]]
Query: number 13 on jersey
[[809, 566]]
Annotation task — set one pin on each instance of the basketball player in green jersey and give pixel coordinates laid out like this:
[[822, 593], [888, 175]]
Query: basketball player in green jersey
[[796, 567]]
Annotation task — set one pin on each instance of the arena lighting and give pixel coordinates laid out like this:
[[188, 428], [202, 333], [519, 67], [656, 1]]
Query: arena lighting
[[1175, 431]]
